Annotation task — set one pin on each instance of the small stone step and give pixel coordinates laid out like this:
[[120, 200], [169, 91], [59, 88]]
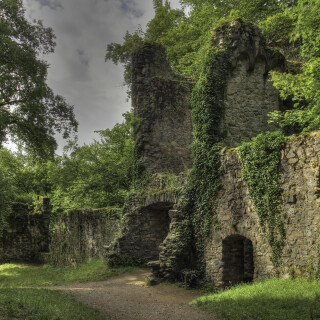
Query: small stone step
[[151, 281]]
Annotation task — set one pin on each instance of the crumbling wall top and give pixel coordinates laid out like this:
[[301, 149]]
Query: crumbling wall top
[[246, 40]]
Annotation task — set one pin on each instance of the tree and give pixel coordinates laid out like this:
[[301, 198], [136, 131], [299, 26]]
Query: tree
[[187, 37], [291, 27], [93, 175], [30, 113], [302, 86]]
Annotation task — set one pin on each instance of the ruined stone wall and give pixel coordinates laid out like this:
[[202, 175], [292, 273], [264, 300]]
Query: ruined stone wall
[[162, 103], [81, 235], [27, 234], [301, 203], [249, 94], [235, 213], [146, 225]]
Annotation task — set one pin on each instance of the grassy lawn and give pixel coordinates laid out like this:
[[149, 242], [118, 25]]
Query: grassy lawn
[[273, 299], [19, 299], [22, 275], [42, 304]]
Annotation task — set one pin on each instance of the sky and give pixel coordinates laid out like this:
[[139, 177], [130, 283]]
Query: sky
[[78, 70]]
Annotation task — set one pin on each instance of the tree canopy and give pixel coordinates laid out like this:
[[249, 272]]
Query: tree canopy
[[291, 27], [30, 113], [93, 175]]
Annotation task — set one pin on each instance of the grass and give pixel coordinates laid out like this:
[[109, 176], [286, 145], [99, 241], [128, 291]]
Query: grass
[[21, 297], [22, 275], [275, 299], [42, 304]]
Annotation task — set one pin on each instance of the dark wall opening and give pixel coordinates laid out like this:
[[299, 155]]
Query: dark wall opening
[[237, 258], [155, 230]]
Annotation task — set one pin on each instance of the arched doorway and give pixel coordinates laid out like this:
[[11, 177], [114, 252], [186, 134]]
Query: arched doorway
[[237, 258]]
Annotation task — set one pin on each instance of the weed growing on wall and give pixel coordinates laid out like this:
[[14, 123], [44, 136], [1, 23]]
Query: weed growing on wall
[[260, 160]]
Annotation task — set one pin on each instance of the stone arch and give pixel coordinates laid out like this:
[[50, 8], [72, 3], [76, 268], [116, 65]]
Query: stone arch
[[261, 58], [237, 259], [243, 55]]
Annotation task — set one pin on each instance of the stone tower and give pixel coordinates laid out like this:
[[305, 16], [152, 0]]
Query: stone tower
[[161, 102]]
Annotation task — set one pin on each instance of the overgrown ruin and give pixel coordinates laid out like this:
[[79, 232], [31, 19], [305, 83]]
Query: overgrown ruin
[[237, 249], [156, 226], [26, 239]]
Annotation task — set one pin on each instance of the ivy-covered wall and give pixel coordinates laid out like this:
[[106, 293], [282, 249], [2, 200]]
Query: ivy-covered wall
[[297, 213], [27, 234], [226, 105], [242, 214]]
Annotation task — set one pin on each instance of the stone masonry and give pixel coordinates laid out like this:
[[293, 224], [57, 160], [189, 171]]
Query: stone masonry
[[81, 235], [249, 95], [155, 226], [27, 236], [161, 101], [235, 215], [145, 226]]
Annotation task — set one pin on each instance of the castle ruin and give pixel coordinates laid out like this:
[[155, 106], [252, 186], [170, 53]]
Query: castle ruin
[[238, 250]]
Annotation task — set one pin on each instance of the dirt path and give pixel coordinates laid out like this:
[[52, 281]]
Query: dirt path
[[126, 298]]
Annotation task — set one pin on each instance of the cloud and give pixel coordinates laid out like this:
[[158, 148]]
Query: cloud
[[83, 60], [78, 71], [52, 4], [130, 6]]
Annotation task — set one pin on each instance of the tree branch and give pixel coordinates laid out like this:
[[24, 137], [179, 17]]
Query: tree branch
[[2, 104]]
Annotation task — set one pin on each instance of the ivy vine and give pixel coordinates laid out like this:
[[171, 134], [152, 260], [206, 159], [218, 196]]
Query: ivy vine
[[260, 160], [204, 182]]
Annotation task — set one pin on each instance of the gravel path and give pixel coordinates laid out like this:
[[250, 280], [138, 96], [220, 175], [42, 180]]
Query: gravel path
[[126, 298]]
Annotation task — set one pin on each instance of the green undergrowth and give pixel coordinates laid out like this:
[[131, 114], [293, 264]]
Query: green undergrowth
[[22, 275], [275, 299], [42, 304], [260, 159]]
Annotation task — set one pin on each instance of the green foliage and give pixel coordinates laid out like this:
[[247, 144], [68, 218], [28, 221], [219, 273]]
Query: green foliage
[[207, 114], [303, 87], [5, 201], [122, 53], [14, 184], [260, 161], [186, 37], [30, 113], [291, 27], [95, 175], [271, 299]]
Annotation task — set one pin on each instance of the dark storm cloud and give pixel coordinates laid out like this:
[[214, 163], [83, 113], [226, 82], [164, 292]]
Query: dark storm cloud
[[52, 4], [131, 7], [83, 59]]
